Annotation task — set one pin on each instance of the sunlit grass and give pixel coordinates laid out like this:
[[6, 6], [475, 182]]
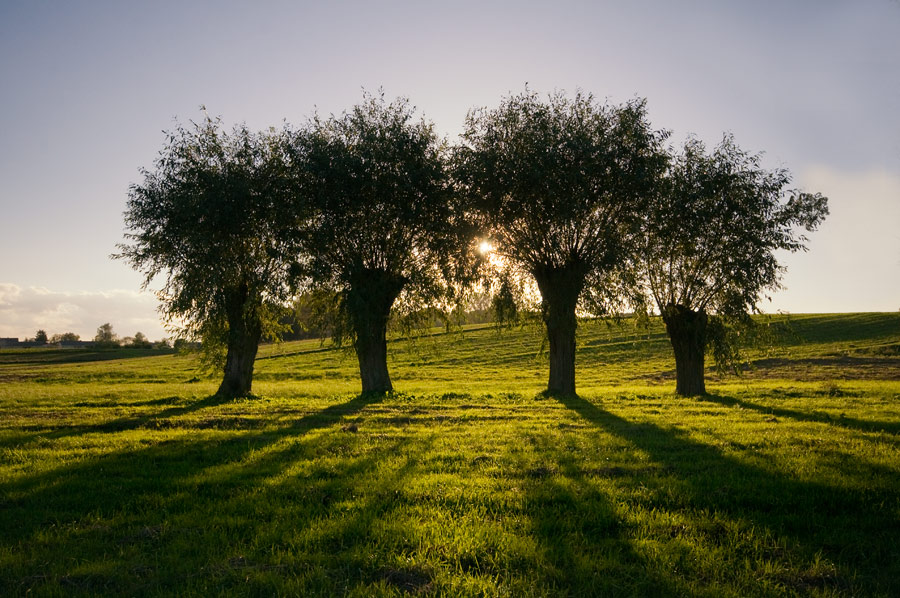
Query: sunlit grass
[[124, 477]]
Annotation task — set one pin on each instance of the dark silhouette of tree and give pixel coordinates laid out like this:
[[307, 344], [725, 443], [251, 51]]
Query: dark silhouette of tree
[[140, 341], [64, 337], [385, 229], [105, 336], [208, 220], [707, 254], [557, 185], [40, 337]]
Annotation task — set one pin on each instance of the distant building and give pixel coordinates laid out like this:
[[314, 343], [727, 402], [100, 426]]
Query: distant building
[[9, 342]]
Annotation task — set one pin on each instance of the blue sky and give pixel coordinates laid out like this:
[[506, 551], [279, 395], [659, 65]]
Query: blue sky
[[88, 87]]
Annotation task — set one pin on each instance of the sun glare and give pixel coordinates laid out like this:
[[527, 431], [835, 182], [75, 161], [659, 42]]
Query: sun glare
[[485, 246]]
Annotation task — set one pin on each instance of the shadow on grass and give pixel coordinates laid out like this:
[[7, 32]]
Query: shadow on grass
[[583, 539], [157, 419], [94, 481], [841, 367], [275, 355], [55, 432], [823, 418], [214, 511], [829, 328], [855, 528], [344, 514]]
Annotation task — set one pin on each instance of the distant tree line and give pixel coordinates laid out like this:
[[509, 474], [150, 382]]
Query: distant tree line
[[105, 338], [348, 222], [41, 338]]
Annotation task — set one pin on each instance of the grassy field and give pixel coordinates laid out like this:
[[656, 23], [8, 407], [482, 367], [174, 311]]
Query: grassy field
[[121, 475]]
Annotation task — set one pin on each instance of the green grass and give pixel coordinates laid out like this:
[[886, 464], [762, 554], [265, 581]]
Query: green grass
[[121, 475]]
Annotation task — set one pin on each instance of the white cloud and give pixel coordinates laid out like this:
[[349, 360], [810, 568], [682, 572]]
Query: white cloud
[[853, 263], [25, 310]]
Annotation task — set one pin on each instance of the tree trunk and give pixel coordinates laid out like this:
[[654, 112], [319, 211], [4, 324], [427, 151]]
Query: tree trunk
[[687, 332], [244, 332], [369, 300], [560, 288]]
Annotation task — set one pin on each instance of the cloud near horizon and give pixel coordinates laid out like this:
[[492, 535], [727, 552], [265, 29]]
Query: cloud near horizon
[[24, 310]]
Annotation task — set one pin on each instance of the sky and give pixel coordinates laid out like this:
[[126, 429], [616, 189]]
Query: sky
[[87, 90]]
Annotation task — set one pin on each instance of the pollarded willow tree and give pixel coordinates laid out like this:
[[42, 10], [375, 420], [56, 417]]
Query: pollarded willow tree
[[707, 254], [386, 226], [558, 185], [209, 219]]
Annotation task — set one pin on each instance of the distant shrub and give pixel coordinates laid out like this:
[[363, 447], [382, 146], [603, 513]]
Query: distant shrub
[[105, 337], [140, 341], [183, 345], [65, 337]]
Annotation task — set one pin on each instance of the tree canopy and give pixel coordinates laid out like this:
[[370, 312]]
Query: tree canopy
[[106, 336], [385, 224], [64, 337], [710, 234], [558, 187], [209, 220], [140, 340]]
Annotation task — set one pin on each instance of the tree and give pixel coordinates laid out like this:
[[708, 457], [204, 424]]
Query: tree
[[708, 250], [557, 185], [105, 336], [140, 341], [385, 227], [208, 220], [64, 337], [40, 337]]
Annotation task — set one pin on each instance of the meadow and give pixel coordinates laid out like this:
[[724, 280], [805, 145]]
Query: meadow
[[121, 474]]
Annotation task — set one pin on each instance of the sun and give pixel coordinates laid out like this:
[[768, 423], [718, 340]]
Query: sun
[[485, 246]]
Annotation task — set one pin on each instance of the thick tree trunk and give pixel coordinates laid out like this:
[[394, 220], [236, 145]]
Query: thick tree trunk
[[371, 352], [244, 332], [560, 288], [369, 300], [687, 332]]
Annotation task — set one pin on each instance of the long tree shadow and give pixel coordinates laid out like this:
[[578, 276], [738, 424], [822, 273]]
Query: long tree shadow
[[95, 484], [583, 538], [352, 508], [856, 529], [330, 509], [64, 430], [823, 418], [199, 487], [156, 419]]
